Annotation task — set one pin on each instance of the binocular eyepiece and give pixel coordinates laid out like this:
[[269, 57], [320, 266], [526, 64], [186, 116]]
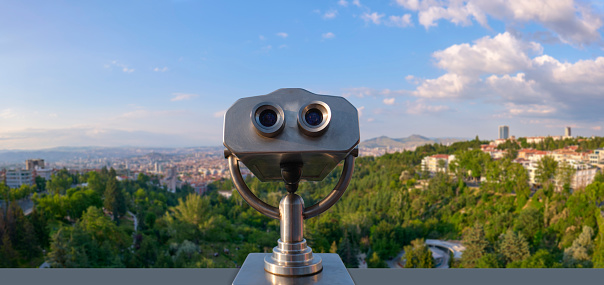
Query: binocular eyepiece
[[291, 126], [269, 118]]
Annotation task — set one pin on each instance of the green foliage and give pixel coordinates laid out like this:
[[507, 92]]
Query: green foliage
[[59, 182], [476, 245], [376, 262], [579, 254], [417, 255], [94, 241], [546, 170], [488, 260], [115, 202], [513, 247]]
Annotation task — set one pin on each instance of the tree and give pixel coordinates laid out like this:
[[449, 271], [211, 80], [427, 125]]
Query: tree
[[348, 251], [376, 262], [40, 183], [94, 241], [488, 260], [546, 170], [513, 247], [564, 175], [114, 199], [418, 255], [60, 182], [541, 259], [333, 248], [579, 254], [476, 244], [529, 222]]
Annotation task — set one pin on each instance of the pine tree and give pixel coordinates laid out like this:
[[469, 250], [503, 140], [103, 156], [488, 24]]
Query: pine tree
[[513, 247], [476, 244], [114, 199]]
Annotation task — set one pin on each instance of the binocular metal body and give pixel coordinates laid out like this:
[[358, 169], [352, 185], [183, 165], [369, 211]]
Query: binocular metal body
[[294, 136], [291, 135]]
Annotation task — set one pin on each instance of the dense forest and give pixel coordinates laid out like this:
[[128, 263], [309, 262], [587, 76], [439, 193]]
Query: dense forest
[[390, 205]]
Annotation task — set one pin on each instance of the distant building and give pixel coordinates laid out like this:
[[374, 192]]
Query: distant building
[[504, 132], [42, 172], [226, 193], [17, 177], [431, 163], [597, 157], [567, 132], [32, 164], [171, 178]]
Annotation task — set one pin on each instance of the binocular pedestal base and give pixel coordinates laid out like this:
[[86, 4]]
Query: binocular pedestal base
[[292, 259], [253, 272]]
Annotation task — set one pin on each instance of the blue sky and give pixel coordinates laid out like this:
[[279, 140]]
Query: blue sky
[[162, 73]]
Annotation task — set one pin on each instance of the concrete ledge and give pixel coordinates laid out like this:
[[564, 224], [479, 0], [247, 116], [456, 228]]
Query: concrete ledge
[[360, 276]]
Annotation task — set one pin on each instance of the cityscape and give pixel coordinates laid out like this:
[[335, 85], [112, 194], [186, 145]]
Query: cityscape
[[199, 170], [399, 134]]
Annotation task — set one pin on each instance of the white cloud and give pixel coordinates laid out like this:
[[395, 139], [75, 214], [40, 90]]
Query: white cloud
[[373, 17], [399, 21], [183, 96], [7, 114], [360, 111], [389, 101], [328, 35], [450, 85], [356, 3], [330, 14], [121, 66], [571, 20], [158, 69], [261, 37], [220, 114], [501, 54], [282, 34], [515, 109], [419, 107], [343, 3], [499, 70], [144, 113]]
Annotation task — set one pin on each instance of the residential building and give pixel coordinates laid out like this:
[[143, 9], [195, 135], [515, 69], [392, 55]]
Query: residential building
[[597, 157], [432, 163], [504, 132], [31, 164], [17, 177], [567, 132]]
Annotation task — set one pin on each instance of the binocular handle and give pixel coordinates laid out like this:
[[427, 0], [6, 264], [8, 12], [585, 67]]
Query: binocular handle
[[246, 193], [273, 212], [335, 194]]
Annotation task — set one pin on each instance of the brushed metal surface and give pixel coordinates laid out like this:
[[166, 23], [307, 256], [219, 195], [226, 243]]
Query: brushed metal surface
[[252, 272], [292, 223], [319, 155]]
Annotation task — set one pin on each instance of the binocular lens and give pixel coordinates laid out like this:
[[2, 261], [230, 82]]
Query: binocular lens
[[313, 117], [268, 118]]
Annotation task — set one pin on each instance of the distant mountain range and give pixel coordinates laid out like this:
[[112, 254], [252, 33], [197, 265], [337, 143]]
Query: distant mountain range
[[62, 154], [409, 142]]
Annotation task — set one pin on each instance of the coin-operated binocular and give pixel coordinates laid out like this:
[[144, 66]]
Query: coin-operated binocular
[[291, 135]]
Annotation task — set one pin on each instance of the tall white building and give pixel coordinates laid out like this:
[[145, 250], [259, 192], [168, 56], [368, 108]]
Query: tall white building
[[504, 132], [567, 132], [17, 177]]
